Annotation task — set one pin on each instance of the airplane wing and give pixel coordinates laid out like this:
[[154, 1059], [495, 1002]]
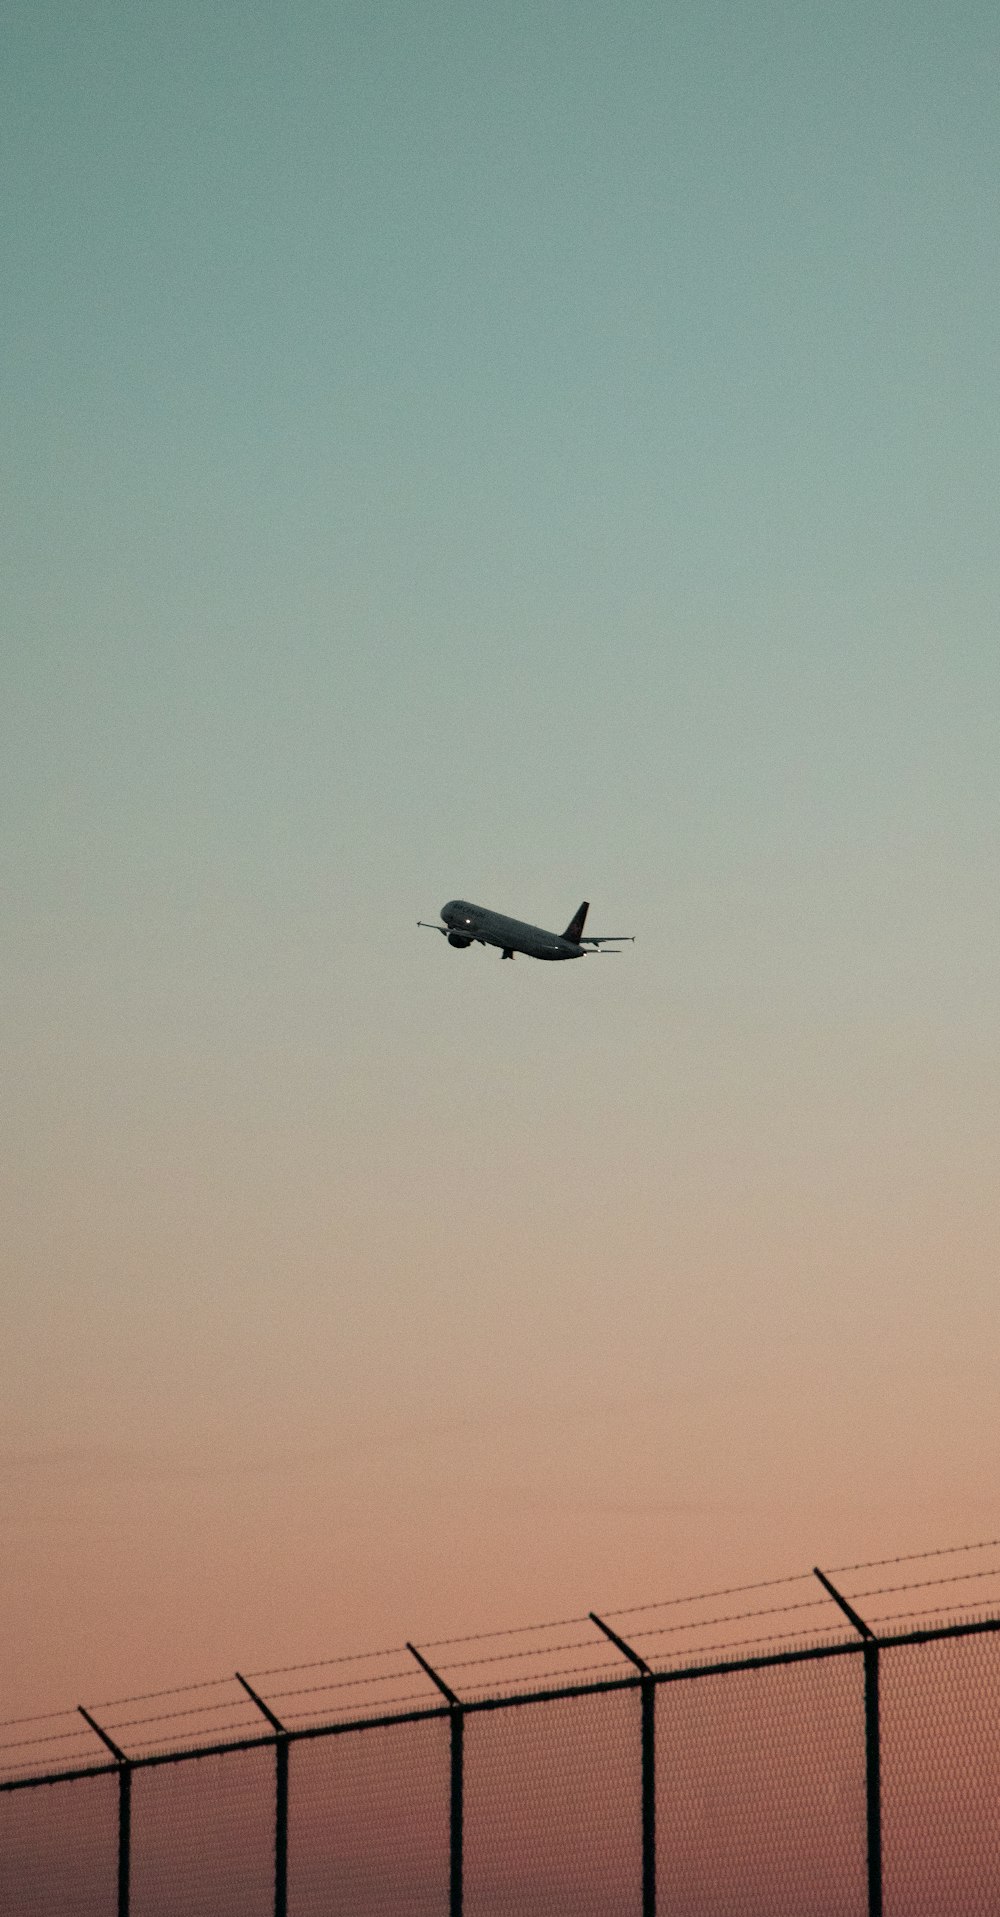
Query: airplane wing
[[610, 938], [429, 926]]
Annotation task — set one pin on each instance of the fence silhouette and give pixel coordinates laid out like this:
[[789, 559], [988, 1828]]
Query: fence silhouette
[[821, 1758]]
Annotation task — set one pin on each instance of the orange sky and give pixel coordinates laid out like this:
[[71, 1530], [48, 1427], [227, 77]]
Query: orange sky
[[523, 461]]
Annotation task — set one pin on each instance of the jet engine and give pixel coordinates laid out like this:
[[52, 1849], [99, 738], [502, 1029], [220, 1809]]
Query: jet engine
[[455, 938]]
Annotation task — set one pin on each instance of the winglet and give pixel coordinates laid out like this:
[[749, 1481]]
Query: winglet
[[576, 924]]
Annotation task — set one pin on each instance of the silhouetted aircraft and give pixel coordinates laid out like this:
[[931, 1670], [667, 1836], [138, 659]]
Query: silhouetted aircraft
[[466, 924]]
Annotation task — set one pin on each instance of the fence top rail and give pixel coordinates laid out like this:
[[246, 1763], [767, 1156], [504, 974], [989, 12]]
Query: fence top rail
[[631, 1680]]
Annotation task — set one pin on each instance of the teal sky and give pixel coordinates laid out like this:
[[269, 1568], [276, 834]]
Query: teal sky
[[522, 453]]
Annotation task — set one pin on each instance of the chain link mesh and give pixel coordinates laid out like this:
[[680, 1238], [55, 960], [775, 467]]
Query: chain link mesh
[[552, 1809], [368, 1823], [940, 1718], [203, 1837], [761, 1800], [59, 1850], [761, 1792]]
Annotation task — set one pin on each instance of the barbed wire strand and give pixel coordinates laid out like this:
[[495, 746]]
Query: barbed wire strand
[[53, 1737], [337, 1684], [173, 1690], [925, 1584], [322, 1663], [913, 1557], [37, 1717], [736, 1617], [167, 1717], [891, 1617], [508, 1657], [343, 1710], [768, 1637], [702, 1597], [610, 1669], [510, 1630], [152, 1744], [518, 1630]]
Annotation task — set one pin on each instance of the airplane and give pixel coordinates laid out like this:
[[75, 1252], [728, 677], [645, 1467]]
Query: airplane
[[466, 924]]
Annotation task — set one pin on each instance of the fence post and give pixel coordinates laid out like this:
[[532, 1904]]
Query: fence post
[[456, 1814], [873, 1778], [124, 1838], [280, 1799], [456, 1819], [873, 1749], [124, 1811], [647, 1695]]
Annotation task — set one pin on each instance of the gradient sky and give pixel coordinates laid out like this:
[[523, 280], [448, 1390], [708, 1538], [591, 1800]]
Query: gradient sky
[[527, 452]]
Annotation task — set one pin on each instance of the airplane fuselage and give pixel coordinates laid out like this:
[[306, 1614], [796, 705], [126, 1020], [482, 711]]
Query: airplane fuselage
[[467, 923]]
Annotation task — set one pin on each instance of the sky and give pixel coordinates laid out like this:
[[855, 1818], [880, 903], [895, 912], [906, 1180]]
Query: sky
[[522, 453]]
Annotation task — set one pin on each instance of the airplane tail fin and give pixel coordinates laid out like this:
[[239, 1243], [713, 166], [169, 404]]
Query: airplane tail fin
[[576, 924]]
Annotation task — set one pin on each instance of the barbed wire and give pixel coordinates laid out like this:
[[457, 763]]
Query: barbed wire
[[511, 1630], [702, 1597], [736, 1617], [37, 1717], [767, 1637], [339, 1684], [615, 1669], [168, 1717], [321, 1663], [372, 1679], [914, 1557], [181, 1737], [146, 1697], [925, 1584], [892, 1617], [343, 1710], [53, 1737], [508, 1657]]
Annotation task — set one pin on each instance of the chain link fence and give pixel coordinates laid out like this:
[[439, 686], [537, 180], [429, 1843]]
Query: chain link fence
[[780, 1750]]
